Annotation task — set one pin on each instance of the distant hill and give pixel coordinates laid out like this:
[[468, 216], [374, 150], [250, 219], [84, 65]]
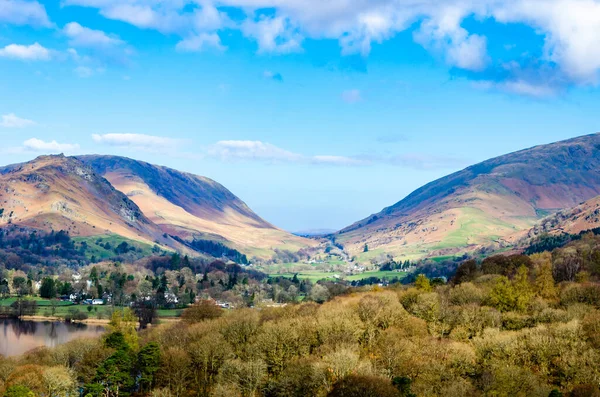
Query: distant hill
[[193, 207], [315, 232], [492, 202], [62, 193], [585, 216], [108, 195]]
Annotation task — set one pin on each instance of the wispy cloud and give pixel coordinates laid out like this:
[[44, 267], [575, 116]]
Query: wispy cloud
[[251, 150], [200, 42], [521, 87], [81, 36], [12, 121], [85, 71], [97, 47], [137, 141], [38, 145], [266, 152], [19, 12], [33, 52]]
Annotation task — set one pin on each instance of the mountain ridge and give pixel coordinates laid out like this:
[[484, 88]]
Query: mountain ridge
[[94, 195], [486, 203]]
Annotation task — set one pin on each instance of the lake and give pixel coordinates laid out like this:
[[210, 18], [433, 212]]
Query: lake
[[17, 337]]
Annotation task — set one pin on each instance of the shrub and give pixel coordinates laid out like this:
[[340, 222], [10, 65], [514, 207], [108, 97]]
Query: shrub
[[364, 386], [203, 310]]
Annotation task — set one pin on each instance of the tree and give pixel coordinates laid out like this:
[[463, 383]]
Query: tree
[[363, 386], [319, 293], [145, 309], [203, 310], [124, 322], [48, 288], [466, 271], [366, 248], [113, 376], [148, 362], [60, 382], [20, 285], [503, 296], [207, 357], [18, 391], [522, 288], [544, 282], [422, 283], [23, 307]]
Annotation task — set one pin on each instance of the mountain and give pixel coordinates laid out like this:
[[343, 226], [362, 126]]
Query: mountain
[[492, 202], [192, 207], [585, 216], [62, 193], [101, 195]]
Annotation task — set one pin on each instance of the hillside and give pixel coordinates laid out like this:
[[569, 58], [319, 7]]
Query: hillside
[[492, 202], [192, 207], [585, 216], [61, 193], [108, 195]]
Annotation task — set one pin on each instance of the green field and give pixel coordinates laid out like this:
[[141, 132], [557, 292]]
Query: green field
[[61, 309], [96, 246], [475, 227], [317, 276]]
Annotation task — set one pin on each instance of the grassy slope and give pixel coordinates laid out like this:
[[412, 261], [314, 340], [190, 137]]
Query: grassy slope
[[495, 201], [101, 253]]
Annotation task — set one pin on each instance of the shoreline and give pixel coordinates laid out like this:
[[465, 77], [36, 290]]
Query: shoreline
[[90, 321]]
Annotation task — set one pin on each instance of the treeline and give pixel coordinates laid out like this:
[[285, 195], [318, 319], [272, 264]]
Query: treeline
[[516, 325], [218, 250], [548, 242]]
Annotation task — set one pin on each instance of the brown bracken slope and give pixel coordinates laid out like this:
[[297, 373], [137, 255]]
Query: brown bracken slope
[[585, 216], [191, 206], [95, 195]]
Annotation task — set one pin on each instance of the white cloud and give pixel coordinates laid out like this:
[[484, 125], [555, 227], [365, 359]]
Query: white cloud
[[38, 145], [84, 71], [80, 36], [351, 96], [12, 121], [251, 150], [571, 28], [138, 141], [266, 152], [33, 52], [200, 42], [521, 87], [273, 35], [338, 160], [19, 12]]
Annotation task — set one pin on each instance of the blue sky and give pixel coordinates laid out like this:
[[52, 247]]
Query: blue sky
[[315, 113]]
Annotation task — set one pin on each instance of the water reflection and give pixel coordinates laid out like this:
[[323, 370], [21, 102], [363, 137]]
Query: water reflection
[[17, 337]]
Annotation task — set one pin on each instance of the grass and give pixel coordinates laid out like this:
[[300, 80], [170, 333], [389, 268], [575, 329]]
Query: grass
[[377, 273], [94, 249], [475, 227], [98, 311], [442, 258], [318, 276]]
